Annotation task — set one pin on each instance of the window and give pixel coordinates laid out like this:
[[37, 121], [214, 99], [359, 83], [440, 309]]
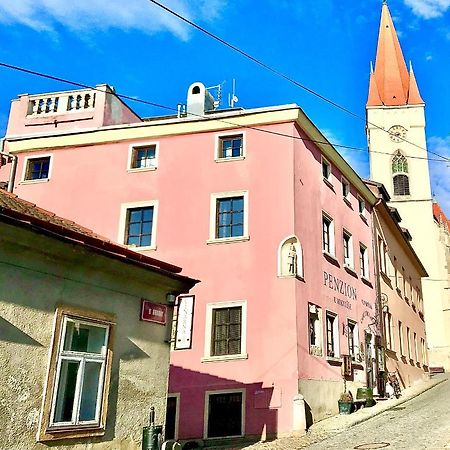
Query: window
[[416, 353], [144, 157], [332, 335], [225, 331], [137, 227], [408, 342], [347, 242], [396, 273], [345, 188], [404, 283], [290, 258], [400, 174], [229, 216], [424, 351], [315, 329], [352, 337], [364, 261], [388, 330], [382, 250], [401, 339], [326, 169], [230, 146], [75, 401], [327, 234], [225, 413], [361, 206], [37, 169]]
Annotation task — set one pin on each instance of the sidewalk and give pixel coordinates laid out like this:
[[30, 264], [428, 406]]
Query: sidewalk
[[336, 424]]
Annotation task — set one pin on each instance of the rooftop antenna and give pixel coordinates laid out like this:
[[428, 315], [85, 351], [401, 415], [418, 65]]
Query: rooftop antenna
[[218, 96], [232, 98]]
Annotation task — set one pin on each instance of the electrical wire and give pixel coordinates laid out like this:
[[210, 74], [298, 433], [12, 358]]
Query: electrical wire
[[169, 108], [284, 76]]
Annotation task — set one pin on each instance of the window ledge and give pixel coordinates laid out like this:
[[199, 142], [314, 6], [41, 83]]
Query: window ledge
[[330, 256], [142, 169], [228, 240], [41, 180], [350, 270], [231, 158], [223, 358], [366, 280], [399, 292], [74, 432], [386, 278], [141, 249], [332, 360], [348, 202], [363, 217], [357, 365], [328, 183]]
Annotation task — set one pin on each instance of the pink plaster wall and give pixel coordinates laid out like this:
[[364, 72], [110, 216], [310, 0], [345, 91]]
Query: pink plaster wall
[[286, 196]]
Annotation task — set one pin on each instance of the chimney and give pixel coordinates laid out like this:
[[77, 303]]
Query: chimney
[[199, 100]]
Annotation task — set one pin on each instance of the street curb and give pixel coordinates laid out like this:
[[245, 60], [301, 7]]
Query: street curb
[[391, 406]]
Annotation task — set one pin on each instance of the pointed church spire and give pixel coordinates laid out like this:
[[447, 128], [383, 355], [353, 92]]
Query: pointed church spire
[[414, 97], [391, 78]]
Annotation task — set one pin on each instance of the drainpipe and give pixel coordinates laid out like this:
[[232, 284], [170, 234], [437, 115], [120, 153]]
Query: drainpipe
[[13, 158]]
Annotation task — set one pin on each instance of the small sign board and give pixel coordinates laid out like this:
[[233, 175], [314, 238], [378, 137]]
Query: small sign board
[[153, 312], [185, 317]]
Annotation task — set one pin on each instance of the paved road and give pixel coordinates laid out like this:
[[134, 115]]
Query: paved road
[[421, 423]]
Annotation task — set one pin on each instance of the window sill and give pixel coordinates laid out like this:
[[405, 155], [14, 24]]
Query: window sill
[[59, 433], [141, 249], [334, 361], [231, 158], [328, 183], [142, 169], [399, 292], [347, 201], [350, 270], [330, 256], [366, 280], [363, 217], [386, 278], [223, 358], [42, 180], [228, 240]]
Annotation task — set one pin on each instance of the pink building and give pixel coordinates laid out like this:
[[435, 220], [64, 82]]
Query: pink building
[[255, 203]]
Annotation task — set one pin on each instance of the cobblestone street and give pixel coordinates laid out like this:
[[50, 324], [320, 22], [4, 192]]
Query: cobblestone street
[[420, 423]]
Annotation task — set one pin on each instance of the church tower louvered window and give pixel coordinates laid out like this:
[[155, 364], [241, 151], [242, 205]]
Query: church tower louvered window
[[400, 174]]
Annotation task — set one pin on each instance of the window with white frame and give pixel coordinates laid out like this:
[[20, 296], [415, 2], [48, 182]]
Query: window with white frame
[[361, 206], [230, 146], [401, 342], [225, 330], [144, 157], [347, 243], [326, 169], [332, 329], [137, 227], [328, 234], [424, 351], [416, 352], [37, 168], [345, 188], [382, 254], [229, 216], [290, 258], [77, 387], [315, 329], [388, 329], [408, 342], [363, 261], [352, 338]]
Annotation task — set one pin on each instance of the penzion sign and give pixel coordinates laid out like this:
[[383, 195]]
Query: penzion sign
[[339, 286]]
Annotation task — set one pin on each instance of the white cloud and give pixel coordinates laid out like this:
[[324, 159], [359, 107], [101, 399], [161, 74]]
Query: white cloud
[[429, 57], [428, 9], [440, 171], [91, 16]]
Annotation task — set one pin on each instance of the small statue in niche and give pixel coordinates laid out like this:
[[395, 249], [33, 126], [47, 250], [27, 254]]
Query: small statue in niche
[[292, 259]]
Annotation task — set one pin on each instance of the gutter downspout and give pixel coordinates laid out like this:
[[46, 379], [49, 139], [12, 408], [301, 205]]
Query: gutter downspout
[[13, 159]]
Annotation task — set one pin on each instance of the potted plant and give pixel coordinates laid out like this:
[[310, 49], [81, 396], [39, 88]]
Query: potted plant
[[345, 403]]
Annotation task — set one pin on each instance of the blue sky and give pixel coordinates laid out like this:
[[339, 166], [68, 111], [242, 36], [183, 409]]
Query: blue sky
[[144, 52]]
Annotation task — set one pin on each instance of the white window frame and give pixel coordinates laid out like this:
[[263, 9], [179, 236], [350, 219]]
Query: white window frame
[[324, 161], [137, 146], [354, 355], [350, 262], [206, 411], [331, 237], [361, 206], [401, 339], [314, 349], [124, 207], [82, 358], [217, 146], [344, 182], [336, 344], [25, 168], [213, 214], [364, 266], [208, 330]]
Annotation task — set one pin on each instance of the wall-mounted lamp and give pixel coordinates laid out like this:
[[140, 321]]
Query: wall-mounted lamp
[[170, 298]]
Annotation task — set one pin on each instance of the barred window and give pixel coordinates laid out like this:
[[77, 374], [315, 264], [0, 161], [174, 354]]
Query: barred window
[[401, 184], [400, 171], [226, 331]]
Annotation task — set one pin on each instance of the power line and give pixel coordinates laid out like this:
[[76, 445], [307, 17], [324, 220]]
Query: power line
[[150, 103], [284, 76]]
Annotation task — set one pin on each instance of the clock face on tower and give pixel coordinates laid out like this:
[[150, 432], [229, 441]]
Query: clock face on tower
[[397, 133]]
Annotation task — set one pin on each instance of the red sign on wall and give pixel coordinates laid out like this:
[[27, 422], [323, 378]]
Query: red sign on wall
[[153, 312]]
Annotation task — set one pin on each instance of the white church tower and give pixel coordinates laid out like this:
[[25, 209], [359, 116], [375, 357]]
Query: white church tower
[[398, 159]]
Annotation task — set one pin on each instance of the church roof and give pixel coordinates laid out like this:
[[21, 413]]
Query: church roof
[[391, 84], [440, 216]]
